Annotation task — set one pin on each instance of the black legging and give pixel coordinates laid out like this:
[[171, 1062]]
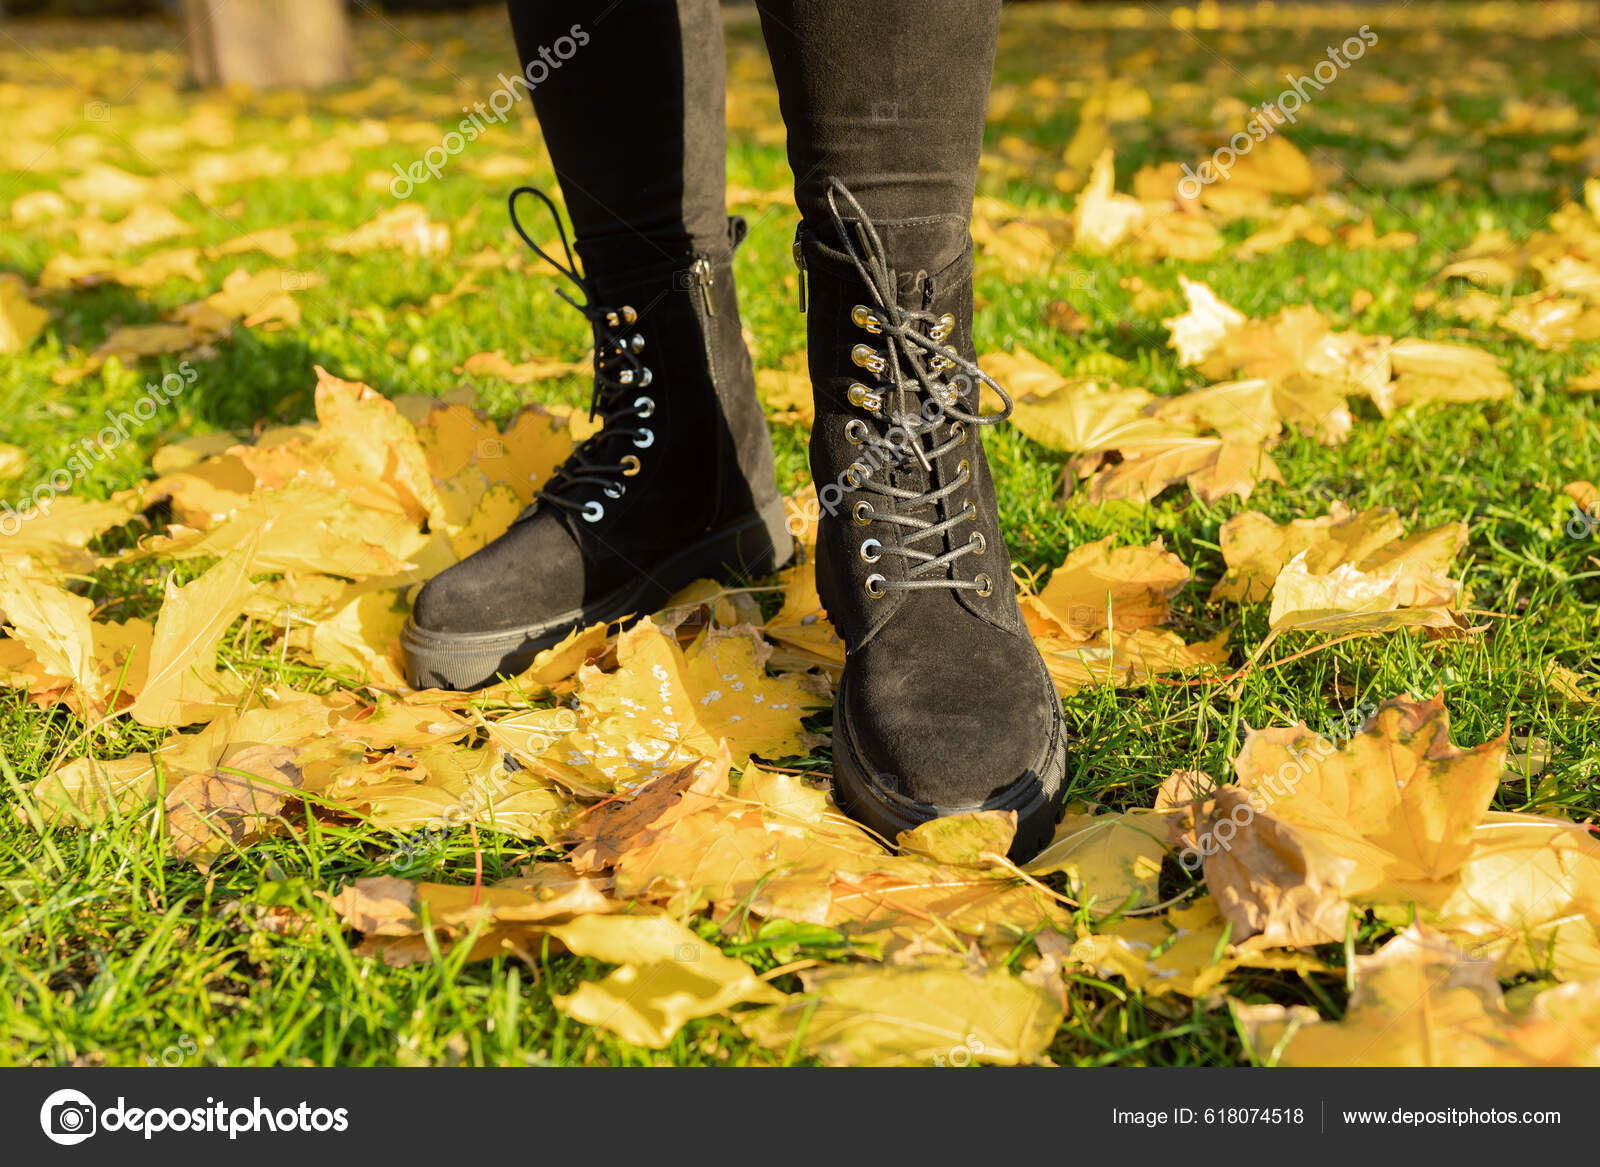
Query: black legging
[[888, 96]]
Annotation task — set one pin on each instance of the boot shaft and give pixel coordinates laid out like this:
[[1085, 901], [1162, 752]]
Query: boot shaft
[[873, 414], [702, 451]]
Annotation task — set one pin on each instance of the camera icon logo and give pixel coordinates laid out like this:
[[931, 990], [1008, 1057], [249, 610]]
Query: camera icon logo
[[68, 1117], [96, 111]]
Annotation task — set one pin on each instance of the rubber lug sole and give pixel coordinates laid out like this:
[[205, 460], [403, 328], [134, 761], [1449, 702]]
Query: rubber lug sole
[[755, 546], [867, 796]]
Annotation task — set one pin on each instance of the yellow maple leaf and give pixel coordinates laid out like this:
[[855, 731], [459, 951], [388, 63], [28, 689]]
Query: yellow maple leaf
[[1420, 1001], [1384, 817], [924, 1014], [1113, 861]]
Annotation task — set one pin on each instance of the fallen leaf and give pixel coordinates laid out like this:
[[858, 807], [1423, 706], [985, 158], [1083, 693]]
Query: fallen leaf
[[1113, 861], [1420, 1001], [206, 813], [21, 320], [668, 976], [910, 1016]]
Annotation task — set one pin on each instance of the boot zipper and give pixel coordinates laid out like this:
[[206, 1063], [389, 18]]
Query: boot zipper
[[705, 276], [800, 264]]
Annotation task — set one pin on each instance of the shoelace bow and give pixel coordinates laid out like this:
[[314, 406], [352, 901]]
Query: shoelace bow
[[618, 372], [916, 345]]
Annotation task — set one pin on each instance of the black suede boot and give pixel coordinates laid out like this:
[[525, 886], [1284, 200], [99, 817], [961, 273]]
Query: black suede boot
[[945, 705], [677, 485]]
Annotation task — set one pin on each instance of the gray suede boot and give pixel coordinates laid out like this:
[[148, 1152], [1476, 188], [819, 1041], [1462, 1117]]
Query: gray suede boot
[[945, 705], [678, 483]]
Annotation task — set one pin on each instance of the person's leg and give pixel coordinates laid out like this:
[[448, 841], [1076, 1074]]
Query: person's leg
[[633, 119], [678, 484], [945, 705], [888, 98]]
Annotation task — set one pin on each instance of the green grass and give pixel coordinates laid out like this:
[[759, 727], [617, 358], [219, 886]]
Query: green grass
[[110, 953]]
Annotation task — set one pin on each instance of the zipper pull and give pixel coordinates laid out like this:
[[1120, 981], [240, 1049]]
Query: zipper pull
[[800, 265], [706, 277]]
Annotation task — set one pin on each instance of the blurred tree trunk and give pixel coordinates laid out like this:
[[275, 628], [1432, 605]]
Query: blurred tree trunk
[[268, 43]]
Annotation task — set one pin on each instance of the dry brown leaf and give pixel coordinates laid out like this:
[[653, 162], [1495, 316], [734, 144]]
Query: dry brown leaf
[[607, 832], [207, 813], [1385, 817], [395, 914]]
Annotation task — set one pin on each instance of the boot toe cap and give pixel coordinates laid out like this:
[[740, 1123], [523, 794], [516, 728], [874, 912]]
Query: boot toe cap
[[532, 573], [951, 729]]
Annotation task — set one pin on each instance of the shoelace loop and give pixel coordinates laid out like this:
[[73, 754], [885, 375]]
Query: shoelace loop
[[618, 373]]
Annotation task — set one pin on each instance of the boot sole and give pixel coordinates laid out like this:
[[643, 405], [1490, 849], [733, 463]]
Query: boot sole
[[754, 546], [868, 796]]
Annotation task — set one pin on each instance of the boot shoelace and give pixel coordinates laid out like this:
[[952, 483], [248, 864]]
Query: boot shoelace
[[916, 341], [618, 373]]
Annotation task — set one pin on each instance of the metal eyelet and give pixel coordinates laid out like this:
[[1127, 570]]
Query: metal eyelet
[[855, 474], [625, 377], [636, 342], [645, 440], [877, 553], [631, 465], [616, 490], [978, 543], [593, 512], [939, 364], [964, 470], [868, 358], [945, 325], [645, 377], [644, 406], [623, 315], [874, 585], [969, 508], [859, 512], [985, 584], [958, 431], [863, 317], [863, 398], [855, 431]]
